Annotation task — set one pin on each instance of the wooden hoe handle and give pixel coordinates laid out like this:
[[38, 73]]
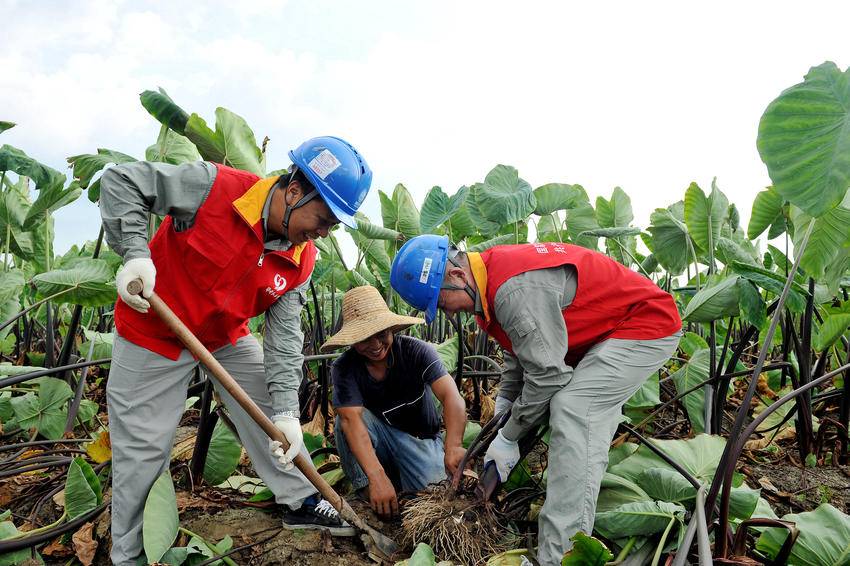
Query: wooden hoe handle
[[226, 380]]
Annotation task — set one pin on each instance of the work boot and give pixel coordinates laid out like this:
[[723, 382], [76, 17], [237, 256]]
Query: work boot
[[317, 515]]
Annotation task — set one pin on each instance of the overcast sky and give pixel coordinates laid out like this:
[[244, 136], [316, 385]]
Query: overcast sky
[[648, 96]]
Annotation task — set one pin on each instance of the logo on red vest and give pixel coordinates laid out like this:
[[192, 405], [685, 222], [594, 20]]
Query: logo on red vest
[[279, 286]]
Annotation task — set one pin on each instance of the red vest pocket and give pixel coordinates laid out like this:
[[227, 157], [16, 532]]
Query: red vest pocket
[[206, 256]]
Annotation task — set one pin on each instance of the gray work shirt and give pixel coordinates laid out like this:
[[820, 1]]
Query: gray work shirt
[[131, 191], [529, 307]]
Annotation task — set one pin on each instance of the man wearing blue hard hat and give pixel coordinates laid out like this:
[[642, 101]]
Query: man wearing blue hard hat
[[231, 246], [530, 298]]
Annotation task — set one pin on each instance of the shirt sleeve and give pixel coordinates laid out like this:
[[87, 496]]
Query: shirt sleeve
[[283, 342], [529, 307], [131, 191], [346, 393]]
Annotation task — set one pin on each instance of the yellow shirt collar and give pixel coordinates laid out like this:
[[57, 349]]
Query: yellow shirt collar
[[479, 272]]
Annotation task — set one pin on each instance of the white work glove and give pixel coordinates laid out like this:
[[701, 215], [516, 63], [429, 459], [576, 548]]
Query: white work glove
[[291, 429], [504, 453], [138, 268], [503, 404]]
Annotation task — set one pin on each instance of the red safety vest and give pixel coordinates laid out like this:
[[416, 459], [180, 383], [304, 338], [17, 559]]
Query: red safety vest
[[216, 275], [611, 300]]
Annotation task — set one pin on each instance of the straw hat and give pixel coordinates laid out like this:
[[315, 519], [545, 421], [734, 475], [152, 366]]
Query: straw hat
[[365, 313]]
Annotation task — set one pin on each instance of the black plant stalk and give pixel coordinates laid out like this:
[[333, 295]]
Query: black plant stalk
[[206, 425], [730, 457], [14, 380], [805, 434], [48, 337], [710, 416], [323, 364], [739, 446], [844, 410], [78, 394]]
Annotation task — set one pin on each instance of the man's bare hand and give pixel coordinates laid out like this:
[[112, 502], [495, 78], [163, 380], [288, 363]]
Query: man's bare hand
[[382, 496], [454, 455]]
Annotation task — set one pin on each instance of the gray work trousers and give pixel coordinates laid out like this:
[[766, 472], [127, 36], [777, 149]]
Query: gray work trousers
[[583, 417], [146, 395]]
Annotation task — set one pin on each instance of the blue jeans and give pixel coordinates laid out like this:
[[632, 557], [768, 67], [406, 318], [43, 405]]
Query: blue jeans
[[411, 463]]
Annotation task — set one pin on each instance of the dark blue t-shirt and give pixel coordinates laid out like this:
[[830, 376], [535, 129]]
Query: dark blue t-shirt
[[402, 399]]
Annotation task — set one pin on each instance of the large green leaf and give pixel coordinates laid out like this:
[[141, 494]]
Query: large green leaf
[[210, 143], [423, 555], [804, 139], [461, 224], [704, 215], [374, 231], [617, 491], [86, 166], [447, 350], [11, 285], [497, 241], [619, 232], [47, 411], [15, 160], [828, 241], [161, 107], [670, 239], [665, 484], [399, 213], [729, 250], [503, 198], [4, 125], [773, 282], [753, 308], [438, 208], [102, 342], [824, 538], [698, 456], [616, 212], [88, 283], [689, 375], [581, 220], [16, 557], [767, 207], [586, 551], [49, 200], [833, 326], [641, 518], [171, 147], [223, 455], [714, 301], [238, 142], [557, 196], [160, 520], [82, 489]]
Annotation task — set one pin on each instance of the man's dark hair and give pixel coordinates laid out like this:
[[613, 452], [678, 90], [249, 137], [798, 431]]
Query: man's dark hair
[[299, 176]]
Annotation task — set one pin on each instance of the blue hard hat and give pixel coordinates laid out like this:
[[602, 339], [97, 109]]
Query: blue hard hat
[[417, 272], [337, 171]]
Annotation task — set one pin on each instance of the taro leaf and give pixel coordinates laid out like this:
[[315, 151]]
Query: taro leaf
[[557, 196], [581, 219], [470, 433], [714, 301], [689, 375], [159, 520], [209, 143], [423, 555], [171, 147], [85, 166], [616, 212], [238, 142], [448, 353], [47, 411], [743, 502], [824, 538], [161, 107], [15, 160], [497, 241], [729, 250], [698, 456], [767, 208], [334, 476], [223, 455], [4, 125], [503, 198], [82, 489], [805, 142], [88, 283], [100, 449], [829, 238], [691, 343], [374, 231], [618, 232], [515, 557], [399, 213], [665, 484], [586, 551], [461, 224], [547, 231], [243, 484], [833, 326], [7, 369], [103, 342], [621, 452], [773, 282], [670, 237], [640, 518], [374, 250], [438, 208], [16, 557], [51, 199], [175, 556], [11, 285], [753, 308], [644, 399], [704, 215], [617, 491]]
